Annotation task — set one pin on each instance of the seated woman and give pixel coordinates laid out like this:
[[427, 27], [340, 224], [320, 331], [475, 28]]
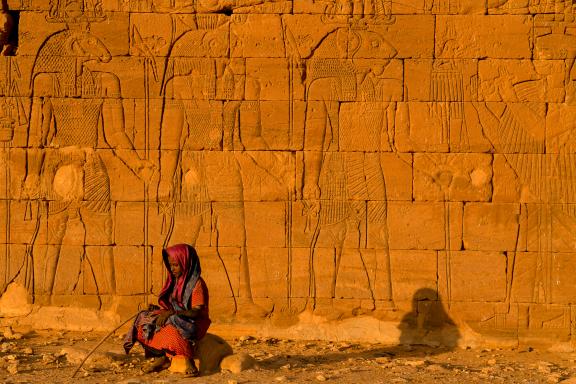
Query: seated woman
[[170, 332]]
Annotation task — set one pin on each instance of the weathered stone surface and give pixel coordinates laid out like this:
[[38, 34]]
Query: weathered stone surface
[[441, 80], [14, 301], [522, 81], [415, 44], [439, 7], [447, 126], [503, 37], [327, 159], [453, 177], [210, 352], [413, 271], [423, 226], [507, 189], [465, 266], [238, 362], [408, 222], [491, 227], [398, 170], [270, 272], [257, 36]]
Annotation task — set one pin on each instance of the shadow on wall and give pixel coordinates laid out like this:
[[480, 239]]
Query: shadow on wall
[[428, 323], [426, 330]]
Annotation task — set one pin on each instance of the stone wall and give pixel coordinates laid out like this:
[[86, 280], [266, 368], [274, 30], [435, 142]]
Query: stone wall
[[381, 168]]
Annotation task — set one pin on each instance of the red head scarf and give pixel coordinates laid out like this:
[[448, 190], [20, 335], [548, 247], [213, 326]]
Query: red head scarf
[[180, 288]]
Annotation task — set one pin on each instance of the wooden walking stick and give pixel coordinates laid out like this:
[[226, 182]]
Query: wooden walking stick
[[102, 342]]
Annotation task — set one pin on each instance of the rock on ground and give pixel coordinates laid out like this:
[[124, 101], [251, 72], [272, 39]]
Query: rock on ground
[[238, 362], [210, 352]]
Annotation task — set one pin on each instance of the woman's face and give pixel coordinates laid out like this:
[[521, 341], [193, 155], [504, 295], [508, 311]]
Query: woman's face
[[174, 267]]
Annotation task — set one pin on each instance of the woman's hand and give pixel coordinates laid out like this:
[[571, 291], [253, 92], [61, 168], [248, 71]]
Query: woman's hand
[[163, 316], [192, 313]]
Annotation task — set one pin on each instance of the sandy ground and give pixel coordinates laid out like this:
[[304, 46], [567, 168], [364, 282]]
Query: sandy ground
[[51, 357]]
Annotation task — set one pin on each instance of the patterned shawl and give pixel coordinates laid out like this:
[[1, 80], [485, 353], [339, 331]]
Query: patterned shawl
[[176, 292]]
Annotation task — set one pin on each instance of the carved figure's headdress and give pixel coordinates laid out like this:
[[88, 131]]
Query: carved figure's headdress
[[75, 11]]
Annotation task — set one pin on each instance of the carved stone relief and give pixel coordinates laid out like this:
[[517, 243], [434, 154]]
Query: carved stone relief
[[334, 158]]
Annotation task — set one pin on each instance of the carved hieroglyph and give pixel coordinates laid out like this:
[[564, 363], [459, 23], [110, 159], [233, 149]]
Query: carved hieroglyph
[[338, 158]]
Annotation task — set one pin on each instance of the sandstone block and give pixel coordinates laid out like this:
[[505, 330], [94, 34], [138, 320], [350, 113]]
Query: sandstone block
[[257, 36], [410, 36], [397, 168], [269, 272], [40, 5], [310, 7], [113, 35], [552, 34], [17, 260], [522, 80], [13, 172], [359, 274], [412, 271], [464, 7], [145, 40], [300, 276], [441, 80], [491, 227], [488, 318], [439, 127], [563, 291], [548, 227], [416, 225], [127, 214], [30, 22], [267, 176], [559, 121], [220, 270], [271, 77], [124, 184], [454, 177], [528, 284], [506, 185], [467, 265], [266, 224], [130, 259], [307, 30], [282, 124], [483, 36], [384, 81]]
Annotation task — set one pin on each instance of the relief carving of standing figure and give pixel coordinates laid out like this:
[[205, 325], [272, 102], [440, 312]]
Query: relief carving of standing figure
[[343, 179], [199, 170], [74, 111]]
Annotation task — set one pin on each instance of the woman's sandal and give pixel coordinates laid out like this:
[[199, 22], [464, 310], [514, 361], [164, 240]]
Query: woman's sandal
[[184, 365], [193, 371], [157, 365]]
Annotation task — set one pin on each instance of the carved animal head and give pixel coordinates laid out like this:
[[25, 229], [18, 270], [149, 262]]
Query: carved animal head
[[65, 52], [365, 44], [87, 46]]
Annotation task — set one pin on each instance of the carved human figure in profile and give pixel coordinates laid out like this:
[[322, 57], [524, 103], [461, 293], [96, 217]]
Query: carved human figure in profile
[[74, 111], [200, 173], [538, 143], [349, 123]]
